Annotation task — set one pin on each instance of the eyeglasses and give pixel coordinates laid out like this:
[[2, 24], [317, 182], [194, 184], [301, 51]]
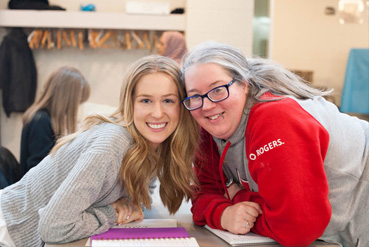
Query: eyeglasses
[[215, 95]]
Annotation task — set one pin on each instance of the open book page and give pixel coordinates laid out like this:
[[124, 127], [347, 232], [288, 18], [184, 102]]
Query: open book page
[[146, 223], [244, 239]]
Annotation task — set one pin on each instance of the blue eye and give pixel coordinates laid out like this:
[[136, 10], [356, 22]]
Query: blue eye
[[146, 101], [169, 101]]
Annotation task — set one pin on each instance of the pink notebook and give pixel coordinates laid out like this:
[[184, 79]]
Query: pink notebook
[[158, 237], [142, 233]]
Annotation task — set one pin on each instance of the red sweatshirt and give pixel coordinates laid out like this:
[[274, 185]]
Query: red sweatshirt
[[285, 148]]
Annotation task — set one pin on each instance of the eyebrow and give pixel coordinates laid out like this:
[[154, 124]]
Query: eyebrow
[[150, 95], [212, 85]]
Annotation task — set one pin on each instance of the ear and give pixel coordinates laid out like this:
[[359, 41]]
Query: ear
[[245, 87]]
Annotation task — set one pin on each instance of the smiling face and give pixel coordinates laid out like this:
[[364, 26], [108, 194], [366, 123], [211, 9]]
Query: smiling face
[[220, 119], [156, 108]]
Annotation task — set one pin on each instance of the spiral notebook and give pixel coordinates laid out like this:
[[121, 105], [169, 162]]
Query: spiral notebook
[[241, 240], [145, 223], [156, 237]]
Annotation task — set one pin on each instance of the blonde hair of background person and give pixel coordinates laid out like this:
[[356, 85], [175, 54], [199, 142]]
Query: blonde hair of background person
[[173, 157], [52, 115], [103, 173], [172, 44], [63, 92], [297, 168]]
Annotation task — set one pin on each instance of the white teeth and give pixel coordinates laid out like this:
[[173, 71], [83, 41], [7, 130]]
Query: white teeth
[[156, 126], [215, 116]]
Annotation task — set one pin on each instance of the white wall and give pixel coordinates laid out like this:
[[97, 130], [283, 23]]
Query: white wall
[[224, 21], [304, 38]]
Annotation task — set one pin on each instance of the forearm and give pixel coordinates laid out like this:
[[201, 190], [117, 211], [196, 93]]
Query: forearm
[[293, 223], [90, 222], [292, 227], [72, 212]]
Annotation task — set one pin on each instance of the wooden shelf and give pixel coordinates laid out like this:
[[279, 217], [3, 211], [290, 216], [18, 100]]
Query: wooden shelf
[[95, 20]]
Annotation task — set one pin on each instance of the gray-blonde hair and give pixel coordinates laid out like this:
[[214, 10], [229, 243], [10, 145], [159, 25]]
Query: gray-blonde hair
[[261, 75]]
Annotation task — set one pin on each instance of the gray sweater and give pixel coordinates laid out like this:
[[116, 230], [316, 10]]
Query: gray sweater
[[68, 196]]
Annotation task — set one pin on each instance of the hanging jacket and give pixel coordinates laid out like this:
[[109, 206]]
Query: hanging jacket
[[18, 74]]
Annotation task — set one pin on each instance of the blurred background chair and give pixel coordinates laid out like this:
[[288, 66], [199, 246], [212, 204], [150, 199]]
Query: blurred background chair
[[308, 75], [355, 92]]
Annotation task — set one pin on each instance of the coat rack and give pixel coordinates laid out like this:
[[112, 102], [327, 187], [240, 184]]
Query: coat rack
[[92, 38]]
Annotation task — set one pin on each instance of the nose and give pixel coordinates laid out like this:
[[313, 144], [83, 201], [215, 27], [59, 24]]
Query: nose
[[207, 104], [157, 111]]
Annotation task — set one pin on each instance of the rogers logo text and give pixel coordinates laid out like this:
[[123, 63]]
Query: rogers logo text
[[266, 148]]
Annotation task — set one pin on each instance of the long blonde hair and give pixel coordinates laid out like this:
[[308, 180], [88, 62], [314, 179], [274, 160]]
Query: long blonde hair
[[172, 162], [63, 92]]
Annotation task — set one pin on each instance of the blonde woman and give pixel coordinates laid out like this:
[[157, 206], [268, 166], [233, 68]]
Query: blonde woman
[[53, 114], [102, 174]]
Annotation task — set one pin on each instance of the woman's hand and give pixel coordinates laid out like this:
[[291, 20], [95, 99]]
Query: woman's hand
[[126, 211], [240, 218]]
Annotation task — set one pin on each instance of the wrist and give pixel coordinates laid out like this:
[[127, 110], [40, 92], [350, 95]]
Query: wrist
[[223, 219], [217, 216]]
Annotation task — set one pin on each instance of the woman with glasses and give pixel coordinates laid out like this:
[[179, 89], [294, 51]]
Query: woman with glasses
[[275, 157]]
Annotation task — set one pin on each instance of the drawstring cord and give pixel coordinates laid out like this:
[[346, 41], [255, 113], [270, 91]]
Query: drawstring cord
[[221, 168]]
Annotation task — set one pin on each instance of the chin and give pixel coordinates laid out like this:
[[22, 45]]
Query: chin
[[217, 135]]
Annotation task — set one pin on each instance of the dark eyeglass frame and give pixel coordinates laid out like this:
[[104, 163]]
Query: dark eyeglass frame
[[207, 96]]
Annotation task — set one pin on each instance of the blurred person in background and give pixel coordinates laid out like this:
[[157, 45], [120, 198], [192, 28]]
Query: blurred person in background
[[172, 44], [52, 115]]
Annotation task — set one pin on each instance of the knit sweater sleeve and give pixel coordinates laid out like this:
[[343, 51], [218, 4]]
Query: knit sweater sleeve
[[74, 211], [286, 148]]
